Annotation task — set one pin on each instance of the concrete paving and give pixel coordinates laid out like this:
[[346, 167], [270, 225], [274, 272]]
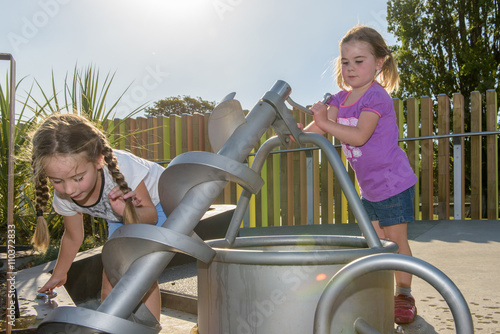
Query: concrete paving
[[468, 252]]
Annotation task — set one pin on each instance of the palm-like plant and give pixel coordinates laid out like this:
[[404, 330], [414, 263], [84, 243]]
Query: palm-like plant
[[86, 95], [24, 211]]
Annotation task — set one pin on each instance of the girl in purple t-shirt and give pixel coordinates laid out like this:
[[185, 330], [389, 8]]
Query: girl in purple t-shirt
[[362, 117]]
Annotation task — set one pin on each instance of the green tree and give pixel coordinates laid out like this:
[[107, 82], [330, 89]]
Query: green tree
[[446, 46], [177, 105]]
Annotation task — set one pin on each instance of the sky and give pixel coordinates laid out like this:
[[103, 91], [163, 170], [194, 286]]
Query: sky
[[200, 48]]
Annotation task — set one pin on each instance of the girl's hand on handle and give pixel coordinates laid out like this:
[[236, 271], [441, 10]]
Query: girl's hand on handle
[[319, 110]]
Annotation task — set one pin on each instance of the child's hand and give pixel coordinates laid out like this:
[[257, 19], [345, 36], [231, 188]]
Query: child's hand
[[319, 110], [54, 282], [301, 127], [117, 199]]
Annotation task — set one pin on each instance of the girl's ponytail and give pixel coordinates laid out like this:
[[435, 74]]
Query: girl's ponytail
[[41, 237]]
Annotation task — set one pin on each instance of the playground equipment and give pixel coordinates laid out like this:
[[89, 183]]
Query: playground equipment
[[232, 298]]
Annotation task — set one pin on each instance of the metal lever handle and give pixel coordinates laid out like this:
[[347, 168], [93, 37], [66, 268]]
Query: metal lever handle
[[298, 106], [326, 99]]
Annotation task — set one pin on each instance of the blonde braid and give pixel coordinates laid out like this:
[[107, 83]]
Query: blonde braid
[[130, 213], [41, 238]]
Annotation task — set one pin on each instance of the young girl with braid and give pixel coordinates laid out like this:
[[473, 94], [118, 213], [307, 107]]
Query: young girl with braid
[[89, 177]]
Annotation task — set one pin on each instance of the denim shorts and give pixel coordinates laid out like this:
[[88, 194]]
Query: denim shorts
[[113, 225], [394, 210]]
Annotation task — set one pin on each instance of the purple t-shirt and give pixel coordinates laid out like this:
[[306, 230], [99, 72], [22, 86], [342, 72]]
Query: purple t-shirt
[[382, 167]]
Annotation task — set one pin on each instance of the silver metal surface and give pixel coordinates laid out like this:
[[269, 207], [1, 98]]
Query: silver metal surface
[[289, 249], [224, 119], [67, 319], [327, 305], [271, 284], [362, 327], [138, 240], [245, 196], [298, 106], [133, 285], [192, 168]]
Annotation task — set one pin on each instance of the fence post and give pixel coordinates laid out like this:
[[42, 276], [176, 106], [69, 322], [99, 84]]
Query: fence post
[[141, 124], [412, 150], [476, 188], [152, 135], [458, 158], [427, 158], [333, 189], [492, 154], [117, 131], [163, 138], [443, 157], [130, 141], [206, 141], [398, 108]]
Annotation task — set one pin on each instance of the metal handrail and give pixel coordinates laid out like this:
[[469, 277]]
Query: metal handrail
[[313, 148]]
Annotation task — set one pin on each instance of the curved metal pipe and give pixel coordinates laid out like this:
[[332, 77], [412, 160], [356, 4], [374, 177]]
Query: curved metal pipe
[[245, 196], [347, 187], [454, 298]]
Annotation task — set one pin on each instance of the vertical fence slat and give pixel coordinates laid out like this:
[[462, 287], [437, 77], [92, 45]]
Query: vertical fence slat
[[492, 155], [443, 157], [289, 193], [270, 198], [140, 137], [263, 191], [173, 129], [458, 157], [118, 130], [152, 135], [206, 142], [399, 109], [132, 132], [186, 140], [316, 188], [259, 205], [427, 159], [476, 195], [254, 200], [276, 190], [164, 138], [302, 191], [333, 190], [200, 123], [413, 149]]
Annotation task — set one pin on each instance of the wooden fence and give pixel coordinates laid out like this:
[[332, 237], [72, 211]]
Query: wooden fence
[[300, 185]]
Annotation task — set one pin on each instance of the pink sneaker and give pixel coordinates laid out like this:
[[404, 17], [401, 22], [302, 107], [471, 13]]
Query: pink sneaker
[[404, 309]]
